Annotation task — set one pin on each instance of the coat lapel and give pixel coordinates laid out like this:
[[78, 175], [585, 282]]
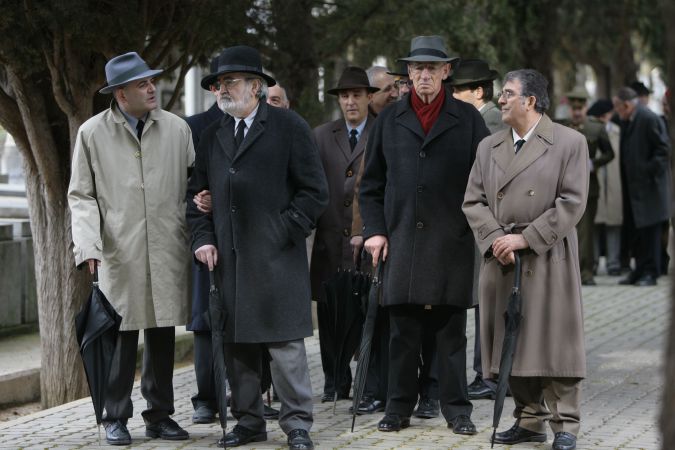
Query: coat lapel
[[502, 150], [446, 119], [363, 140], [539, 142], [225, 136], [406, 117], [257, 129], [341, 139]]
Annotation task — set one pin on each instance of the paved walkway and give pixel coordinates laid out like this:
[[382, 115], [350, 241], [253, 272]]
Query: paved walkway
[[625, 332]]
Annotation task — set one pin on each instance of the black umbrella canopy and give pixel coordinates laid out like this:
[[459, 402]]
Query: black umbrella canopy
[[512, 319], [366, 340], [97, 327]]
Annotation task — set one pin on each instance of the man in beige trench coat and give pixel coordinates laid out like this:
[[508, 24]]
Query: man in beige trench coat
[[127, 200], [527, 197]]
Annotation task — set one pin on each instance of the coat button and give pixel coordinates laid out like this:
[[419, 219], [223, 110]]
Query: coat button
[[233, 209], [420, 225], [530, 193], [350, 173], [347, 202], [500, 195], [423, 154], [529, 272], [137, 154], [233, 170], [346, 232], [420, 188]]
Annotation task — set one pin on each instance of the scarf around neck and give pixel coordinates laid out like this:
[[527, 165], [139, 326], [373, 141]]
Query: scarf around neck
[[427, 113]]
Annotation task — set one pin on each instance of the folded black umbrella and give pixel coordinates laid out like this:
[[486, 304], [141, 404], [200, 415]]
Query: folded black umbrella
[[217, 318], [366, 340], [512, 319], [97, 327]]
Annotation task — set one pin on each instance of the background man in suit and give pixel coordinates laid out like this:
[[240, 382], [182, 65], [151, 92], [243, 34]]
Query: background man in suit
[[646, 180], [268, 187], [410, 199], [600, 153], [387, 93], [127, 200], [528, 190], [276, 96], [341, 145]]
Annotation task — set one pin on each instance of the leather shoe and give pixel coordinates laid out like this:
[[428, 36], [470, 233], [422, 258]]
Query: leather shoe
[[393, 422], [299, 440], [427, 408], [369, 405], [478, 390], [240, 436], [116, 433], [270, 413], [645, 280], [462, 425], [166, 429], [630, 279], [588, 282], [516, 434], [564, 441], [203, 414]]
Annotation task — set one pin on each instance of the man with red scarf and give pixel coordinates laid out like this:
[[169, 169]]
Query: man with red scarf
[[417, 165]]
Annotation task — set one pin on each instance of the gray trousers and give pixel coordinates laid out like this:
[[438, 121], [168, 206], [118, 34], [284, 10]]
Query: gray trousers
[[290, 374], [156, 375]]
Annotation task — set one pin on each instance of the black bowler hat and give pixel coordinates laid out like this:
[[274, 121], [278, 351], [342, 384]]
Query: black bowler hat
[[353, 78], [640, 89], [125, 68], [402, 70], [240, 58], [471, 71], [600, 107]]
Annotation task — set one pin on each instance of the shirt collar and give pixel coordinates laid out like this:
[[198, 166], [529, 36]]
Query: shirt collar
[[527, 136], [359, 128], [133, 122], [248, 120]]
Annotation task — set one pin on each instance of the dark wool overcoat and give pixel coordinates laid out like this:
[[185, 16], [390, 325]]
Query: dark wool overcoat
[[332, 250], [540, 192], [412, 191], [267, 196], [645, 161]]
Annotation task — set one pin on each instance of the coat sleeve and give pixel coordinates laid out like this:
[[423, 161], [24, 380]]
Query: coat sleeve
[[84, 211], [199, 223], [557, 222], [308, 178], [373, 183], [476, 208], [658, 141], [605, 152]]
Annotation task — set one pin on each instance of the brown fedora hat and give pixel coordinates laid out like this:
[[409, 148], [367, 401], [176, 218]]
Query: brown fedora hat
[[353, 78], [472, 71]]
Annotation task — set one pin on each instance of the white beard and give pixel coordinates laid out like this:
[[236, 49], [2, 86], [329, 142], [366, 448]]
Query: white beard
[[233, 107]]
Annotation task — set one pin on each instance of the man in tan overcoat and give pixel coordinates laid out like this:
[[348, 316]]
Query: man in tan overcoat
[[526, 192], [127, 201]]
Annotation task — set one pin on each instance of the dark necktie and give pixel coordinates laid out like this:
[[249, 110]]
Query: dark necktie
[[519, 143], [139, 129], [239, 137], [352, 138]]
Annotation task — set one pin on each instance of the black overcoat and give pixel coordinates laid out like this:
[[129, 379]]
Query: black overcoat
[[332, 249], [412, 192], [267, 196], [645, 161]]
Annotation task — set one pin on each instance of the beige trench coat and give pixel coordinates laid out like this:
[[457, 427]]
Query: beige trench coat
[[127, 201], [542, 192], [610, 200]]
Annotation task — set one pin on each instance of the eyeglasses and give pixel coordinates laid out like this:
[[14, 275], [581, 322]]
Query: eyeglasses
[[401, 83], [508, 94], [227, 83], [432, 68]]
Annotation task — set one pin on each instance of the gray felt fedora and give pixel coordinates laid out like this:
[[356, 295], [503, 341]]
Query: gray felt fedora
[[125, 68], [428, 49]]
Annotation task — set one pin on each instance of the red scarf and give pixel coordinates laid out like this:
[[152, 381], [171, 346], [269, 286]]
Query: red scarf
[[427, 113]]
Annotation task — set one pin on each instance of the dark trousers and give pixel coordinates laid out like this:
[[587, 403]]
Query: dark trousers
[[203, 358], [156, 375], [428, 367], [328, 356], [645, 244], [377, 378], [448, 324]]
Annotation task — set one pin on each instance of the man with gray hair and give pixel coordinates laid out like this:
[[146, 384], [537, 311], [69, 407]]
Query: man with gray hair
[[268, 189], [526, 193], [646, 181], [379, 77]]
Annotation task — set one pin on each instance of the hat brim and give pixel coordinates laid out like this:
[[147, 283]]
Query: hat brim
[[147, 74], [429, 58], [336, 90], [208, 80], [462, 81]]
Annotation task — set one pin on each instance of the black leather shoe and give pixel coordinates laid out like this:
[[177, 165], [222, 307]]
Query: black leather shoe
[[299, 440], [516, 434], [240, 436], [645, 280], [462, 425], [564, 441], [203, 414], [427, 408], [588, 282], [630, 279], [369, 405], [116, 433], [270, 413], [327, 397], [478, 390], [166, 429], [393, 422]]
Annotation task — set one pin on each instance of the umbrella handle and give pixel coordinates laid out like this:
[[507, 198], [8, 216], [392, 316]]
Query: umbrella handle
[[212, 280]]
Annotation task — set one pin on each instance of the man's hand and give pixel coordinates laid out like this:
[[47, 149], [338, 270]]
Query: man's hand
[[203, 201], [92, 265], [377, 245], [207, 254], [357, 243], [504, 246]]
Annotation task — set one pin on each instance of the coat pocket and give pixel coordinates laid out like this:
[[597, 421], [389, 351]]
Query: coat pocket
[[559, 251]]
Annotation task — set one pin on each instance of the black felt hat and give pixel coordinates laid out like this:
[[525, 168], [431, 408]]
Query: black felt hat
[[472, 71], [240, 58]]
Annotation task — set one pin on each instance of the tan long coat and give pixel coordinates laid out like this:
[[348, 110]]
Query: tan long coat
[[541, 191], [127, 201]]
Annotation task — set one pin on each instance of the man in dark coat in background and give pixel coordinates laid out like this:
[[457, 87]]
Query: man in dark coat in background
[[268, 189], [646, 180], [417, 165], [341, 144]]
